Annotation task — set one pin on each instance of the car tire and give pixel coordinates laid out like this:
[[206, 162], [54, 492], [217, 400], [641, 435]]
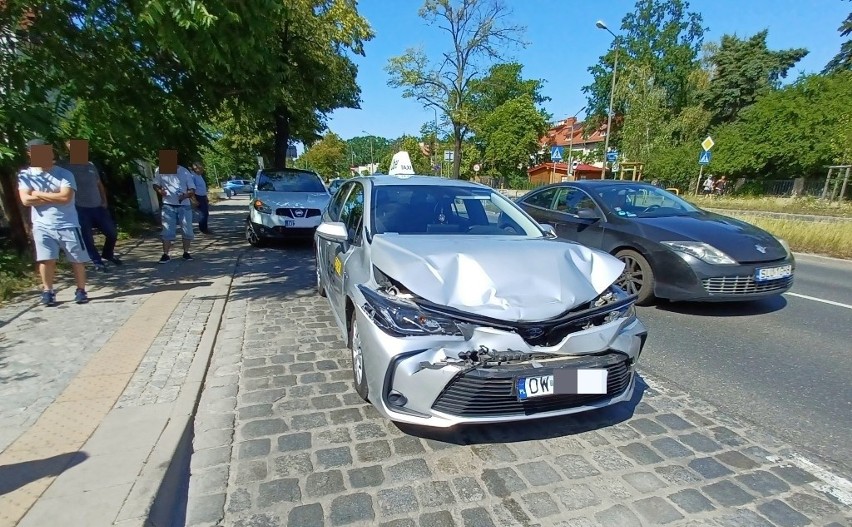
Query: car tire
[[359, 373], [638, 277], [252, 237]]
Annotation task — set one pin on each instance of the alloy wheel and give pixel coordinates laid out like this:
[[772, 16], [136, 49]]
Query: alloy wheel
[[632, 278]]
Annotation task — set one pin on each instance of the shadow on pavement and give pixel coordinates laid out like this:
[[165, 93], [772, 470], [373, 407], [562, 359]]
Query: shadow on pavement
[[532, 430], [725, 309], [17, 475]]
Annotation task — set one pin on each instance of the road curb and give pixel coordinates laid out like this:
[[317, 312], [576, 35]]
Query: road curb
[[158, 491], [811, 218]]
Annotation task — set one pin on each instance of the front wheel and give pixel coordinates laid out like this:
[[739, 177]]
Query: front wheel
[[252, 237], [359, 374], [638, 277]]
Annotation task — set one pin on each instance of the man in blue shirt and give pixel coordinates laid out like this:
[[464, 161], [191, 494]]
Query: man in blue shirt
[[201, 197], [49, 191]]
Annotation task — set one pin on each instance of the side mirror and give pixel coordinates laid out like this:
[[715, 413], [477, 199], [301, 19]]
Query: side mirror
[[588, 214], [333, 230], [549, 231]]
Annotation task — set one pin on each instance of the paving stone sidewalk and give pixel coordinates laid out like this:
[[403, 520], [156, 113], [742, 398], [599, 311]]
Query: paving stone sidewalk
[[281, 438], [54, 357]]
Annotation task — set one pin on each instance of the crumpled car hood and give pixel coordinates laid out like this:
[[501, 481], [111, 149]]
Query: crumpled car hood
[[307, 200], [509, 278]]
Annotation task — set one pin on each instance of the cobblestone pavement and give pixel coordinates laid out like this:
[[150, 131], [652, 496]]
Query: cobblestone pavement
[[281, 438]]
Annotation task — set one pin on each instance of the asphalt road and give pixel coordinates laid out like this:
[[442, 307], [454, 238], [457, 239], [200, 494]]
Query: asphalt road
[[783, 363]]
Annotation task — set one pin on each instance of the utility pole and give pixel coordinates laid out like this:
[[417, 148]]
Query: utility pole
[[600, 25], [570, 169]]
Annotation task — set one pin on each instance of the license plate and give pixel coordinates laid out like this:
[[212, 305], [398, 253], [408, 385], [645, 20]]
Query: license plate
[[563, 382], [289, 223], [772, 273]]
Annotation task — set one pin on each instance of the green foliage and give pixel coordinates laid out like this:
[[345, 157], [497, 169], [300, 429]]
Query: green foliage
[[511, 133], [787, 133], [843, 60], [661, 35], [743, 70], [328, 157]]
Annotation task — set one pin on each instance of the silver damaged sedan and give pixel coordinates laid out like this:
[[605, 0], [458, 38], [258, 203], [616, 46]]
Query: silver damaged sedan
[[459, 308]]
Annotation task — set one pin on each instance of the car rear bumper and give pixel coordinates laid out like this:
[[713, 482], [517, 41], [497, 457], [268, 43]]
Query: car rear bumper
[[420, 380]]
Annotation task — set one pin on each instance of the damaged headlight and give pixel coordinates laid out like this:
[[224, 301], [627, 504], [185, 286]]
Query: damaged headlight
[[615, 296], [403, 318]]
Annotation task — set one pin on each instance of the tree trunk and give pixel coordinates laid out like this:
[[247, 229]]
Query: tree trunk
[[457, 146], [18, 231], [282, 137]]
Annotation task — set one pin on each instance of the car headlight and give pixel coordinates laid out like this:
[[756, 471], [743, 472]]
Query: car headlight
[[262, 207], [616, 296], [702, 251], [405, 319]]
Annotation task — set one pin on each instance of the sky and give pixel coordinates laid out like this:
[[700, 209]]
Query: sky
[[562, 43]]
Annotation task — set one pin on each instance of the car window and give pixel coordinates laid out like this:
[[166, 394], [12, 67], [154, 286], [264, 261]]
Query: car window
[[542, 199], [352, 213], [568, 199], [289, 181], [643, 201], [445, 209], [337, 202]]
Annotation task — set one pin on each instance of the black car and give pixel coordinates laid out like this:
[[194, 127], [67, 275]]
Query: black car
[[671, 248]]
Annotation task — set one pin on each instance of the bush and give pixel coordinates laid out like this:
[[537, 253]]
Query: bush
[[16, 273]]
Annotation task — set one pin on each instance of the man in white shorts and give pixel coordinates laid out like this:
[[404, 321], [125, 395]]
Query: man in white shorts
[[49, 191], [176, 190]]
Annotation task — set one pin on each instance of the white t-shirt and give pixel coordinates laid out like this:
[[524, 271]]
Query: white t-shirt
[[175, 185]]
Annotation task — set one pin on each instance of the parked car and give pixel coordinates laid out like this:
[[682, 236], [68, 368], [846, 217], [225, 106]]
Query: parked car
[[233, 187], [457, 307], [334, 185], [286, 203], [671, 248]]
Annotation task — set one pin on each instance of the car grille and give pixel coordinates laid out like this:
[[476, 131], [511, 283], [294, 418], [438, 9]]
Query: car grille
[[298, 212], [744, 285], [491, 392]]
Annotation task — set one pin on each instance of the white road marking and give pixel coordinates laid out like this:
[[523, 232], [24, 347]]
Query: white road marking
[[824, 301], [832, 484]]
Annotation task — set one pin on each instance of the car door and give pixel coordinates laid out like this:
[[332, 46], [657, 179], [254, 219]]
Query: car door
[[324, 246], [352, 216], [539, 205], [568, 223]]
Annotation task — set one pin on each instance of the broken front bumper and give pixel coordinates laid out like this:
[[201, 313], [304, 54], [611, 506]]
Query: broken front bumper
[[421, 380]]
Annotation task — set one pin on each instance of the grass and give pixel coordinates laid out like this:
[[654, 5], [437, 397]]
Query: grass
[[804, 205], [829, 239], [17, 273]]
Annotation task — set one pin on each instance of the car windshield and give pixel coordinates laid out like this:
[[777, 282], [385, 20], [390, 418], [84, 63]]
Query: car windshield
[[445, 209], [642, 201], [289, 181]]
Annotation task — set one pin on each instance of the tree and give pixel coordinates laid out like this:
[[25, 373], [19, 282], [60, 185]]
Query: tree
[[660, 35], [477, 35], [843, 59], [328, 156], [644, 112], [743, 70], [510, 134]]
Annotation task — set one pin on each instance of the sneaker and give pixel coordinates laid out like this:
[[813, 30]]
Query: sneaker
[[115, 260], [80, 296], [48, 298], [164, 258], [101, 267], [187, 256]]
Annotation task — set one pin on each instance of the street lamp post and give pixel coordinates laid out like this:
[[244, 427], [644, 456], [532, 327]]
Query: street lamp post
[[600, 25], [372, 162], [569, 169]]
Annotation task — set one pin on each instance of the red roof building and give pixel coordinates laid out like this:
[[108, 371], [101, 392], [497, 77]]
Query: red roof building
[[547, 173]]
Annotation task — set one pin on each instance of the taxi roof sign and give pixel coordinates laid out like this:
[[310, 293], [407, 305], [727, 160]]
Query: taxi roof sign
[[401, 165]]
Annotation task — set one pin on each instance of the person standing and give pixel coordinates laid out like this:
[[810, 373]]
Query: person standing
[[709, 184], [49, 191], [176, 190], [201, 197], [91, 203]]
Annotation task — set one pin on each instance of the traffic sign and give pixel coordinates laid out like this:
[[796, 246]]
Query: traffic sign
[[612, 156], [708, 143], [704, 158], [476, 167], [449, 155], [556, 153]]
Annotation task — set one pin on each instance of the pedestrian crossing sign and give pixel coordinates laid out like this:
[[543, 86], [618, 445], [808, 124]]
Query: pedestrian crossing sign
[[704, 158]]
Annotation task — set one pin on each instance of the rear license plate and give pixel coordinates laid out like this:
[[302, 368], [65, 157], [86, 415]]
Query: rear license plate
[[289, 223], [563, 382], [772, 273]]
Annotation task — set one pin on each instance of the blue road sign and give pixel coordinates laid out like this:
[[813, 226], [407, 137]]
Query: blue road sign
[[612, 157], [556, 153], [704, 158]]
